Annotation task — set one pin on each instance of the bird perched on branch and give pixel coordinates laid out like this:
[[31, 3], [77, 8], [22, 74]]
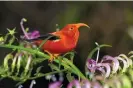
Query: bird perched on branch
[[67, 41]]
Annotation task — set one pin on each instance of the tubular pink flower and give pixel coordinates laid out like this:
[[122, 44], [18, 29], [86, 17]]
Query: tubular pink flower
[[96, 85], [22, 27], [74, 83], [91, 65], [124, 63], [55, 84], [85, 84], [114, 62], [107, 67], [126, 58], [28, 35], [101, 69], [32, 35]]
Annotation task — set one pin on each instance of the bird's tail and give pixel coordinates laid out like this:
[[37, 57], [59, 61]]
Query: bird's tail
[[43, 37]]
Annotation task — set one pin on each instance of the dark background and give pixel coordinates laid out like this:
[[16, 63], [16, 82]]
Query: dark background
[[109, 23]]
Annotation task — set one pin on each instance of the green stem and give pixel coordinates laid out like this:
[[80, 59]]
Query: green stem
[[95, 49], [50, 73], [65, 60], [25, 49]]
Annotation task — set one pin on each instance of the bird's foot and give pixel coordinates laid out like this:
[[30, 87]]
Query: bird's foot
[[52, 57]]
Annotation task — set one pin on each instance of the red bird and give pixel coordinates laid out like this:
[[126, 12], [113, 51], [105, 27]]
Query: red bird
[[68, 37]]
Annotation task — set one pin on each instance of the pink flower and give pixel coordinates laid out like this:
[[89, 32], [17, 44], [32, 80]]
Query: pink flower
[[31, 35], [28, 35], [55, 84]]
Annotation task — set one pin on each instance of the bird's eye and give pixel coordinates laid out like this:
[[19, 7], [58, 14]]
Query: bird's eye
[[71, 28]]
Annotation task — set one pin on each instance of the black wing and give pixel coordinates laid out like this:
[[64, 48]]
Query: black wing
[[43, 37]]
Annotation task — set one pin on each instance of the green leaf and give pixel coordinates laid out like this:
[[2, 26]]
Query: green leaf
[[33, 51], [118, 84], [19, 63], [12, 40], [126, 82], [69, 77], [5, 37], [38, 70], [38, 60], [28, 65], [72, 56], [19, 83], [2, 70], [1, 39], [29, 73], [14, 62], [54, 67], [131, 74], [50, 73], [6, 59], [11, 31]]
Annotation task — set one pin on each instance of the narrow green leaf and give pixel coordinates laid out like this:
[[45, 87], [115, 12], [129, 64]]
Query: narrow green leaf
[[131, 74], [29, 73], [12, 40], [38, 60], [54, 67], [6, 59], [5, 37], [19, 63], [38, 70], [69, 77], [33, 51], [19, 83], [126, 82]]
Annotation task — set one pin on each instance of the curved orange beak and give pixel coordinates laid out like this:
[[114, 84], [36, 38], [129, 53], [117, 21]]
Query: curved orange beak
[[81, 24]]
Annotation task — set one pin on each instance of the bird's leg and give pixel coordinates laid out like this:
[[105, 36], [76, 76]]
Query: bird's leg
[[52, 56]]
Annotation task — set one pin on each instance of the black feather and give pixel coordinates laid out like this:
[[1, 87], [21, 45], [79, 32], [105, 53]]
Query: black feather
[[43, 37]]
